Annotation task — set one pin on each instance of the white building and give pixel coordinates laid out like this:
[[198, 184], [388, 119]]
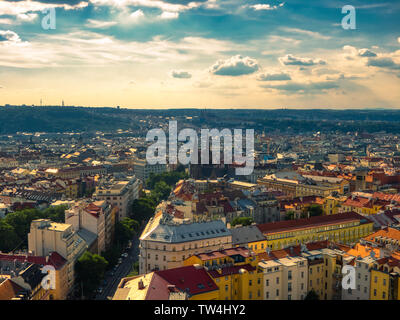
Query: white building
[[46, 236], [119, 193]]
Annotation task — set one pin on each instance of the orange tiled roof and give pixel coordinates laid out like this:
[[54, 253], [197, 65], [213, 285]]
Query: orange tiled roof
[[388, 232]]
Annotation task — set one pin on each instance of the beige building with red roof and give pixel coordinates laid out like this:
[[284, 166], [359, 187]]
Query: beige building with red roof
[[95, 217]]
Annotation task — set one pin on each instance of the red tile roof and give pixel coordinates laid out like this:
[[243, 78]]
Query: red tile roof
[[190, 279], [309, 222], [230, 270], [388, 232], [158, 288], [295, 251], [56, 260], [224, 253]]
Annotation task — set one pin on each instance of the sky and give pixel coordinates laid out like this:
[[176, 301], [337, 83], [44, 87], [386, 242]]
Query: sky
[[200, 54]]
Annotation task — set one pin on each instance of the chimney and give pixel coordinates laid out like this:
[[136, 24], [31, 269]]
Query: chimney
[[171, 288], [140, 284]]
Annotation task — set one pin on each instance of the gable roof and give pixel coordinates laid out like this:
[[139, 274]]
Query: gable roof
[[190, 279]]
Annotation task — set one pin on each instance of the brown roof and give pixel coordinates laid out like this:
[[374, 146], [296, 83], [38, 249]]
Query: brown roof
[[224, 253], [294, 251], [230, 270], [280, 226], [9, 289], [388, 232]]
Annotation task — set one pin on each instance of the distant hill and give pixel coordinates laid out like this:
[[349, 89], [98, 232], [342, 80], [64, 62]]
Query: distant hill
[[61, 119], [83, 119]]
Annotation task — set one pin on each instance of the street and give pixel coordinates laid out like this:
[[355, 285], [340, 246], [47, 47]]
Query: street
[[122, 271]]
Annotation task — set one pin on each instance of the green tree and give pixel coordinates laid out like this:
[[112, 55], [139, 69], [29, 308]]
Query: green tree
[[143, 209], [125, 230], [290, 215], [21, 220], [112, 255], [56, 214], [8, 237], [311, 295], [161, 191], [244, 221], [315, 210], [90, 269]]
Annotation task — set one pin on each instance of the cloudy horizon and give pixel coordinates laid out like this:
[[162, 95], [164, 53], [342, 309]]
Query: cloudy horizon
[[196, 54]]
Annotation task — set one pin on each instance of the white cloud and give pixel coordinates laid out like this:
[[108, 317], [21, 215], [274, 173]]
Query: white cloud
[[260, 6], [179, 74], [235, 66], [164, 6], [27, 17], [136, 15], [84, 48], [8, 36], [297, 61], [98, 24], [6, 21], [273, 77], [169, 15], [366, 53], [313, 34], [18, 8]]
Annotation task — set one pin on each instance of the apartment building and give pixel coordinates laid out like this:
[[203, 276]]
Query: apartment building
[[24, 271], [362, 291], [46, 237], [95, 217], [344, 228], [385, 275], [166, 242], [183, 283], [250, 237], [284, 278], [298, 185], [143, 169], [234, 271], [119, 193]]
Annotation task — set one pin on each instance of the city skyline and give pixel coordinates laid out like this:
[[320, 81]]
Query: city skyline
[[214, 54]]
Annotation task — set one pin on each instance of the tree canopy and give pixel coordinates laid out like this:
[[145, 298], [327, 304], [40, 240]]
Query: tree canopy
[[90, 269], [15, 226], [244, 221]]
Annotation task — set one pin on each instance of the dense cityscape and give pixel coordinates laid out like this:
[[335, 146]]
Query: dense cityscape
[[199, 158], [108, 225]]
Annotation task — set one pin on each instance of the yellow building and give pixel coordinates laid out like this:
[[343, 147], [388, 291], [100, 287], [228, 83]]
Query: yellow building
[[71, 189], [344, 228], [362, 205], [234, 271], [298, 185], [331, 204], [250, 237], [385, 273], [29, 277]]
